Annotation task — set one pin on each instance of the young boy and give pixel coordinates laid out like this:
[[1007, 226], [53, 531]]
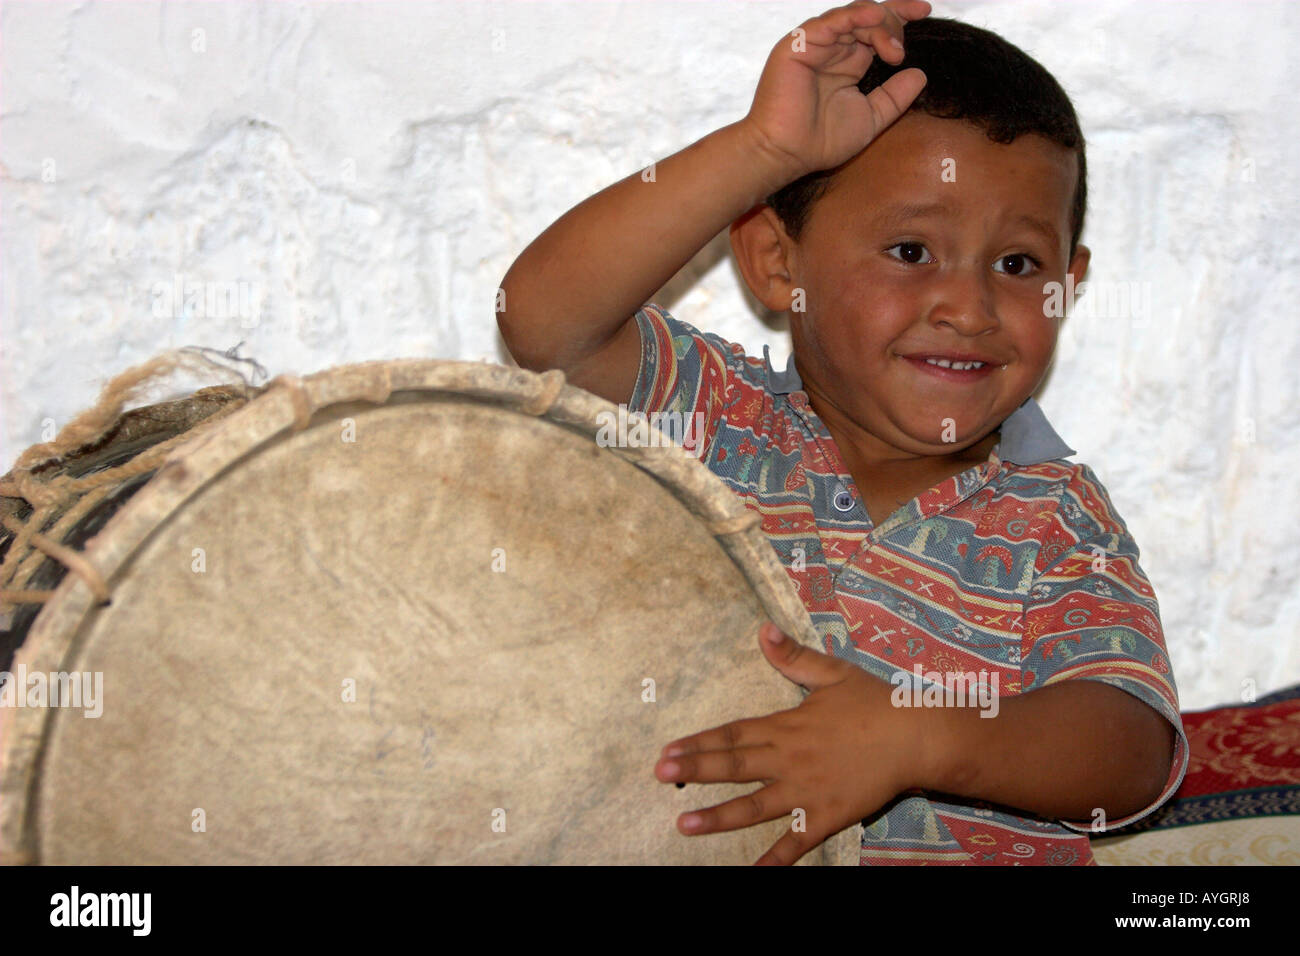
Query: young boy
[[912, 223]]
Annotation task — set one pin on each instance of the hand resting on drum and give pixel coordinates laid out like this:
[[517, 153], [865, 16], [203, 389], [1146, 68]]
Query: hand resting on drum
[[847, 750]]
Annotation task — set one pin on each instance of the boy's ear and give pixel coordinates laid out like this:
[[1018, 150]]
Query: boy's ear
[[764, 254], [1078, 267]]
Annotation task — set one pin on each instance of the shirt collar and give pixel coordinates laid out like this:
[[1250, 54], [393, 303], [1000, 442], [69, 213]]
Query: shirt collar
[[1027, 437]]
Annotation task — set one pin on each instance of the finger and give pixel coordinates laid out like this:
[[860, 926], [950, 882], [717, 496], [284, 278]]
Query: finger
[[796, 662], [766, 803], [736, 765], [788, 850], [908, 9], [886, 38], [891, 99], [868, 23], [879, 27], [751, 732]]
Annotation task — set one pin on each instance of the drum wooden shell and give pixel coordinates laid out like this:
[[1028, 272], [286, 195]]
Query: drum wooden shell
[[402, 612]]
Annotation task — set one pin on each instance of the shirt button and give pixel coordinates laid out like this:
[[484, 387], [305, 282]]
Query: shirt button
[[843, 500]]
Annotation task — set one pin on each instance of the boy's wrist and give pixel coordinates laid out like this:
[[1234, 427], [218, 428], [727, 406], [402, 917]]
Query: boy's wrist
[[776, 168], [938, 744]]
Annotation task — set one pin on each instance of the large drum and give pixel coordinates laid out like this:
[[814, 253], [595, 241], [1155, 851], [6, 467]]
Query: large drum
[[396, 612]]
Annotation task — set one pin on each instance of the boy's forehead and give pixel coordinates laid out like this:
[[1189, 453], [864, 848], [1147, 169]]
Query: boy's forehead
[[922, 162]]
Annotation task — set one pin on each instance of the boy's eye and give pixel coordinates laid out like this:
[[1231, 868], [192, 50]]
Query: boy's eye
[[912, 252], [1016, 264]]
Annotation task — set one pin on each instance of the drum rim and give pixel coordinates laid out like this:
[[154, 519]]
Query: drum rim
[[289, 403]]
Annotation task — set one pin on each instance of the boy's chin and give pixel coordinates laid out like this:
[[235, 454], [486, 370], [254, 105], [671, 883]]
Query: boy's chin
[[950, 441]]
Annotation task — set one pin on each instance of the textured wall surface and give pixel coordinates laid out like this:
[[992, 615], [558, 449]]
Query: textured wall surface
[[362, 175]]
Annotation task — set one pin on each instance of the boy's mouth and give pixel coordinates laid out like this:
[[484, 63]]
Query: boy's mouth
[[953, 368]]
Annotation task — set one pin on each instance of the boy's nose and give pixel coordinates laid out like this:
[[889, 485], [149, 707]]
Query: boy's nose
[[964, 301]]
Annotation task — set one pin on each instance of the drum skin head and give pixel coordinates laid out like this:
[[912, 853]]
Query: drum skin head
[[434, 628]]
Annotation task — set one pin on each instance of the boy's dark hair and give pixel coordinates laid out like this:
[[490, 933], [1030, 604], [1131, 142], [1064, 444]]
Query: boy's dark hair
[[974, 75]]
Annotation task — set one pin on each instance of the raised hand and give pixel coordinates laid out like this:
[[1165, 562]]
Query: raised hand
[[807, 112]]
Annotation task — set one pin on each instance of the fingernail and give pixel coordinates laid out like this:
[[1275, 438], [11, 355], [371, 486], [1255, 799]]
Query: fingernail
[[674, 751], [691, 821], [894, 41], [772, 634], [671, 769]]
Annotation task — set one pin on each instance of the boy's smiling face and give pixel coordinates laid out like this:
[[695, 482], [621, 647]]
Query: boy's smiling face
[[932, 241]]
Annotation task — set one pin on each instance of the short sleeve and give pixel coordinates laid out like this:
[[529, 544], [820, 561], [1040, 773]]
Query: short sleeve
[[1093, 615], [683, 370]]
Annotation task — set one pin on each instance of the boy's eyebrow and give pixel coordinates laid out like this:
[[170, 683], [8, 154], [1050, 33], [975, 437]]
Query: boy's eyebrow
[[902, 214]]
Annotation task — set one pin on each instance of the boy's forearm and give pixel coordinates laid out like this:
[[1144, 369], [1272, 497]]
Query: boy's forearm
[[1062, 752], [581, 279]]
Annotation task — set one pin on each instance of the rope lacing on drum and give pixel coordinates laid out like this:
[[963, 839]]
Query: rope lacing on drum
[[377, 388], [48, 497], [301, 402], [72, 560], [552, 383]]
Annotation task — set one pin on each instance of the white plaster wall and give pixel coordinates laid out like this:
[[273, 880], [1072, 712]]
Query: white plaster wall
[[369, 171]]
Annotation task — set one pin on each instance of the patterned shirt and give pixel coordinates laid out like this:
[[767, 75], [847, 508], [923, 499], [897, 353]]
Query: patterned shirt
[[1019, 568]]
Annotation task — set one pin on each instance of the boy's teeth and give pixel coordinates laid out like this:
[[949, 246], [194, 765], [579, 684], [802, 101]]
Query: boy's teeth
[[960, 366]]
